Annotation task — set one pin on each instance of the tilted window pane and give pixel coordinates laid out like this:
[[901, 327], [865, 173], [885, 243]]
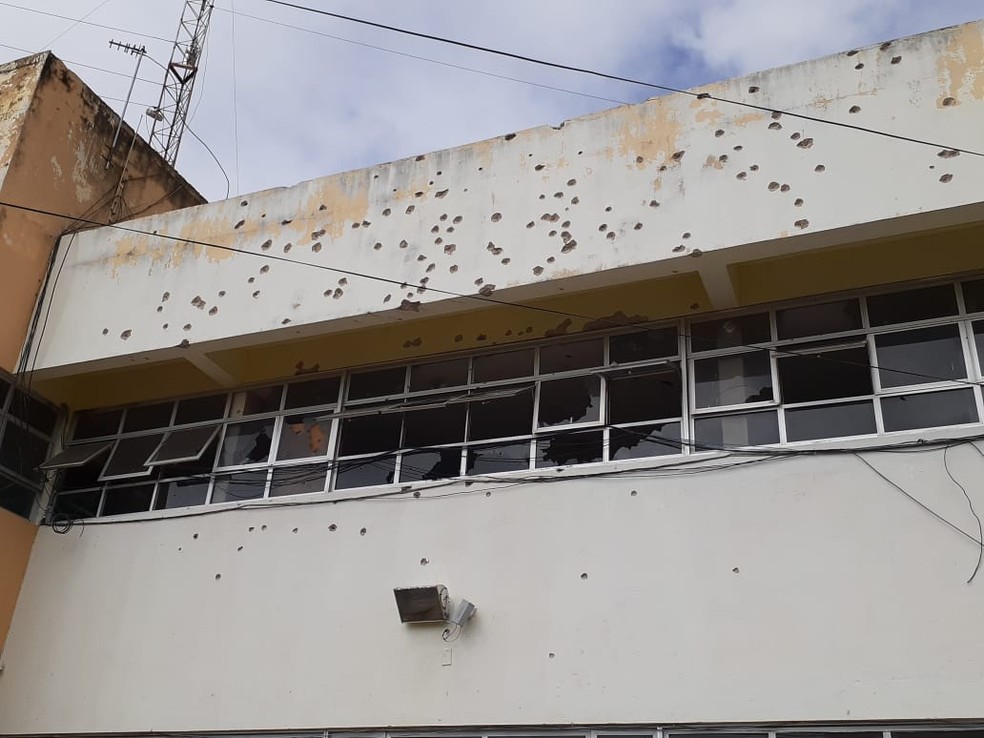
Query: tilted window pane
[[302, 436], [920, 304], [256, 401], [735, 431], [813, 320], [641, 441], [97, 423], [312, 393], [16, 497], [365, 472], [438, 374], [824, 375], [566, 401], [200, 409], [502, 418], [181, 493], [733, 380], [647, 394], [929, 410], [441, 463], [123, 500], [239, 487], [496, 458], [35, 413], [148, 417], [370, 434], [508, 365], [920, 356], [569, 448], [650, 344], [830, 421], [298, 480], [247, 443], [563, 357], [184, 445], [76, 505], [76, 456], [434, 427], [730, 332], [973, 293], [129, 458], [379, 383]]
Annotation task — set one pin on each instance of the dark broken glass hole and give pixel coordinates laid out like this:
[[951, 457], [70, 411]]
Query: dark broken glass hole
[[650, 395], [813, 320], [730, 332], [508, 365], [733, 380], [97, 423], [641, 441], [378, 383], [433, 464], [199, 409], [569, 448], [148, 417], [501, 418], [651, 344], [434, 427], [562, 357], [365, 472], [312, 393], [122, 500], [368, 434], [247, 443], [919, 304], [302, 436], [573, 400], [438, 374], [824, 375], [498, 458]]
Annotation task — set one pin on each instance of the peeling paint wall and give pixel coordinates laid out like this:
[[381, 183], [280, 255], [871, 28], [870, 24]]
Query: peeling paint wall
[[55, 136], [16, 537], [671, 186]]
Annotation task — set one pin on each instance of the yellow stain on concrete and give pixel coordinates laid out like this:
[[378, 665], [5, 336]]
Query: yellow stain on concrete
[[648, 133], [960, 66], [16, 538]]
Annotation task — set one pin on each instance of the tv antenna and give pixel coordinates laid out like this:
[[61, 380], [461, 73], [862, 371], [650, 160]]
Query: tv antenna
[[171, 113]]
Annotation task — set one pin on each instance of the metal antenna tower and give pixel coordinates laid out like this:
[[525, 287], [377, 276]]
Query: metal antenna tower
[[171, 114]]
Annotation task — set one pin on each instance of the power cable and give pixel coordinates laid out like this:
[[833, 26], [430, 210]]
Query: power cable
[[74, 25], [970, 504], [83, 22], [619, 78], [85, 66]]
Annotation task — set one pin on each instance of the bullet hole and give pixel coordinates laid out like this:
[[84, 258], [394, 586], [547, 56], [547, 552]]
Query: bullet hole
[[195, 536], [571, 182], [264, 269], [222, 293], [164, 326], [481, 337], [438, 241], [487, 290], [449, 249], [377, 246], [896, 59], [852, 52], [575, 200], [493, 248], [509, 136], [775, 126], [453, 268], [214, 310], [285, 321], [948, 153], [337, 294], [739, 147], [424, 562], [126, 334], [403, 244], [559, 195], [753, 89], [419, 193], [735, 570], [637, 227], [262, 527], [859, 65], [608, 209], [773, 186], [805, 143], [584, 575], [603, 227], [457, 220], [801, 224], [784, 188], [218, 577], [796, 136], [678, 249], [537, 270], [568, 247], [741, 175], [239, 225], [410, 306], [459, 338], [256, 294], [633, 493], [551, 259], [244, 203], [187, 326], [387, 298], [505, 261], [251, 280], [776, 115], [322, 207], [539, 168], [565, 236], [315, 247], [496, 217], [639, 160], [819, 168], [198, 302], [946, 178], [696, 253], [410, 209], [315, 235], [550, 655], [531, 224], [552, 234], [718, 133], [421, 257], [854, 109], [723, 158], [160, 309], [754, 168], [798, 202], [431, 267], [440, 194], [677, 156]]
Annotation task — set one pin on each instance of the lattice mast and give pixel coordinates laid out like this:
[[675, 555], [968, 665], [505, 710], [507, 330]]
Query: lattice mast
[[171, 114]]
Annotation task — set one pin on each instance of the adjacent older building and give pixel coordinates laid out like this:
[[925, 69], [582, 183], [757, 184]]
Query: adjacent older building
[[684, 396]]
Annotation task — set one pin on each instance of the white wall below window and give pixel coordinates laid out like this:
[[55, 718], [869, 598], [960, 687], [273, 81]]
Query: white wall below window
[[789, 590]]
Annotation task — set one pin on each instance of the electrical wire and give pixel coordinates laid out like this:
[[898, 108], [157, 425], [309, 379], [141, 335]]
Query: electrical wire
[[970, 504], [619, 78], [83, 22], [85, 66], [74, 25]]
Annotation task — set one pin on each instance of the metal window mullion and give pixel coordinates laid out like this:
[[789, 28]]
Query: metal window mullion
[[683, 366], [875, 380], [102, 499]]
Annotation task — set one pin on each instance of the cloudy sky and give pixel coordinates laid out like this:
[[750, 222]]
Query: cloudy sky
[[287, 95]]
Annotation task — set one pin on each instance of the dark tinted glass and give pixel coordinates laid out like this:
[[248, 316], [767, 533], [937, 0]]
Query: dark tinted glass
[[730, 332], [16, 498], [641, 441], [22, 452], [298, 480], [148, 417], [651, 344], [122, 500], [929, 410], [4, 388], [502, 418], [236, 487], [129, 457], [83, 476], [508, 365], [76, 505], [901, 307], [438, 374], [569, 448], [733, 380], [199, 409], [830, 421], [824, 375], [302, 436], [377, 384], [365, 473], [645, 395], [812, 320], [97, 423], [920, 356], [312, 393], [34, 412], [370, 434], [979, 340], [182, 493], [247, 443], [573, 400], [562, 357], [434, 427], [731, 431], [437, 464], [973, 293], [498, 458], [256, 401]]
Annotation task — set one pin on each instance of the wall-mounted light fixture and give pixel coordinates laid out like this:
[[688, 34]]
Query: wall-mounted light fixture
[[422, 604]]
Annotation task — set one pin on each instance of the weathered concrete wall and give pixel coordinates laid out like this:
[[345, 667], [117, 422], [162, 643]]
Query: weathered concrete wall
[[795, 590], [55, 135], [16, 538], [675, 185]]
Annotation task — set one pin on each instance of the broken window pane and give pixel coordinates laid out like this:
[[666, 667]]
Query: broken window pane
[[181, 493], [298, 480], [37, 414], [498, 458], [434, 427], [973, 294], [569, 448], [812, 320], [129, 458], [438, 374], [238, 487], [563, 357], [76, 505], [380, 383], [920, 304], [929, 410], [312, 393], [731, 431], [302, 436], [256, 401], [148, 417], [645, 394], [365, 472], [733, 380], [200, 409], [654, 343], [573, 400], [370, 434], [920, 356], [641, 441], [502, 418], [16, 497], [830, 421], [184, 445], [123, 500], [824, 375], [730, 332], [75, 456], [441, 463], [247, 443], [508, 365], [97, 423]]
